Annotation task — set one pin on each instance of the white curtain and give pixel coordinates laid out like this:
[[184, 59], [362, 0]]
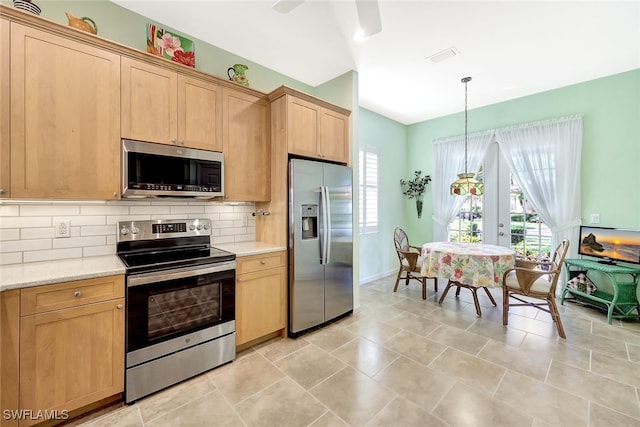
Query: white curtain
[[545, 158], [448, 162]]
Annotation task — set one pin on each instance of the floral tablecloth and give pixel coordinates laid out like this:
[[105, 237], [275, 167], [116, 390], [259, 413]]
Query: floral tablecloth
[[473, 264]]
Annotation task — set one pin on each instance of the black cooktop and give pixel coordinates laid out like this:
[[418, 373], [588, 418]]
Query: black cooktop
[[153, 245], [176, 256], [162, 259]]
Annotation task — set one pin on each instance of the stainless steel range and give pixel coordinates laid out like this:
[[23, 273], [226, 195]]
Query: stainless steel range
[[180, 303]]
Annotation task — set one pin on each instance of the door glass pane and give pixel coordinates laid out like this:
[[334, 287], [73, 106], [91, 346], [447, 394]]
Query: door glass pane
[[467, 225], [530, 237]]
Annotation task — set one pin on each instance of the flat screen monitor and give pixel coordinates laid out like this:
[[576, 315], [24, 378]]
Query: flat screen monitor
[[610, 244]]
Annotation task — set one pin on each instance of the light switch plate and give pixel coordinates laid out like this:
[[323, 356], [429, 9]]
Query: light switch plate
[[595, 218]]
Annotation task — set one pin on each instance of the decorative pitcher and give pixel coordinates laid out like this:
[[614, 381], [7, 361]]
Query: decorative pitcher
[[82, 24], [238, 74]]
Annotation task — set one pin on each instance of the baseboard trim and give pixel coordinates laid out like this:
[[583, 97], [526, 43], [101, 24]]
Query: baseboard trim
[[378, 276]]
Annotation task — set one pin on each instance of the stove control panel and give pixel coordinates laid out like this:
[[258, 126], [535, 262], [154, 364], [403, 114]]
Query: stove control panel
[[170, 227], [163, 229]]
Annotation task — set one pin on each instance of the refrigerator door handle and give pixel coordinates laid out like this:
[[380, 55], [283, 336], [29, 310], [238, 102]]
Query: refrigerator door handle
[[325, 225], [328, 227]]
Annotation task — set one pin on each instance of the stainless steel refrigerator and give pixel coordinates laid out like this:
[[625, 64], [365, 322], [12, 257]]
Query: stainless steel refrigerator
[[320, 243]]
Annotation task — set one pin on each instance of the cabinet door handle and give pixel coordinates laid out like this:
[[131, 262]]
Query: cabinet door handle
[[1, 190], [174, 141], [182, 142], [263, 262], [119, 306], [77, 294], [239, 280]]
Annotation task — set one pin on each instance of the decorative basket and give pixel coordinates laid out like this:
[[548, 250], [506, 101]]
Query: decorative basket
[[27, 6]]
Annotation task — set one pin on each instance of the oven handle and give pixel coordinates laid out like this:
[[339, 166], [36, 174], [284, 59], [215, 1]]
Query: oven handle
[[163, 276]]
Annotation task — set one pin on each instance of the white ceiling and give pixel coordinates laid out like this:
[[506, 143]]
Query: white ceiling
[[510, 48]]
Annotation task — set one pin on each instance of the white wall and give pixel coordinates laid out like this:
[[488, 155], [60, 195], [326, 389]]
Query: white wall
[[27, 232]]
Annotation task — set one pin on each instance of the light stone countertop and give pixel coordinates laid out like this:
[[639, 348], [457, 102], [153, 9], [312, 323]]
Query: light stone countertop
[[15, 276], [249, 248]]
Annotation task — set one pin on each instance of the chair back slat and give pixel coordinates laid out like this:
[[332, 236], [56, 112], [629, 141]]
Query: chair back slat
[[556, 263], [401, 242]]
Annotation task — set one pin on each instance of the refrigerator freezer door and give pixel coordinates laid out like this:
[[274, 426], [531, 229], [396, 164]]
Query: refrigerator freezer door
[[306, 273], [338, 288]]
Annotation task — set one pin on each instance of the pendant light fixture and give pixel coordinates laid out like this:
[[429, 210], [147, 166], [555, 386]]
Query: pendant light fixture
[[466, 184]]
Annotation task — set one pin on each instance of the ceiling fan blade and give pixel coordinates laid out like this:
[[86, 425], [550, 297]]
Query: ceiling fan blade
[[369, 16], [286, 6]]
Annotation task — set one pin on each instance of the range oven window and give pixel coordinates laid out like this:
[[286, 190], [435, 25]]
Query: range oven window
[[167, 309], [182, 310]]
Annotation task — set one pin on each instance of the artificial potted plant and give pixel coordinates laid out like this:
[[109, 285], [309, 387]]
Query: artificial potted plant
[[415, 188]]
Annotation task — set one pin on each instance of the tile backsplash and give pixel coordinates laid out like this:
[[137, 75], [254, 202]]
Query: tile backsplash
[[27, 227]]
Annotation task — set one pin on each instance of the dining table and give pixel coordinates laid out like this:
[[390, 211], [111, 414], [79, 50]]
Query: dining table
[[467, 265]]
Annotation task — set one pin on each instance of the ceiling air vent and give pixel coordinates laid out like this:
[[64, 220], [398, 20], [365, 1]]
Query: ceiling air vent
[[443, 55]]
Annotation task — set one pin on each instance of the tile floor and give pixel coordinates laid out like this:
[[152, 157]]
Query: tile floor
[[402, 361]]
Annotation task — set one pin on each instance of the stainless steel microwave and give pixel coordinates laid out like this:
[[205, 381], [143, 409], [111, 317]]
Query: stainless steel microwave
[[158, 170]]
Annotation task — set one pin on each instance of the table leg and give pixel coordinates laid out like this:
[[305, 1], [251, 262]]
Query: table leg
[[610, 314], [490, 296], [472, 289], [444, 294], [475, 300]]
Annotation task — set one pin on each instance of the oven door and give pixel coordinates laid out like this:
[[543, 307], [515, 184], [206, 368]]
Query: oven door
[[164, 305]]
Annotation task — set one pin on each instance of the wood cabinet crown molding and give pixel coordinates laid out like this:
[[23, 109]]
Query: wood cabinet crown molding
[[44, 24], [285, 90], [15, 15]]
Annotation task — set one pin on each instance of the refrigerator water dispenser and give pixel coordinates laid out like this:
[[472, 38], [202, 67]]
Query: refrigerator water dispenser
[[309, 221]]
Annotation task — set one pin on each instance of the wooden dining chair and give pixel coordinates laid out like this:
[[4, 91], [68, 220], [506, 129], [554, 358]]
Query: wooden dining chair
[[534, 281], [410, 262]]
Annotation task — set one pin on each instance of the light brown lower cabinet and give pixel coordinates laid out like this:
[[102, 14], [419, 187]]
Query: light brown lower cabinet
[[71, 346], [261, 296]]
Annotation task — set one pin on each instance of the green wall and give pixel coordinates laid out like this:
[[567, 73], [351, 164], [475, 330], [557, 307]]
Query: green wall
[[389, 139], [610, 150]]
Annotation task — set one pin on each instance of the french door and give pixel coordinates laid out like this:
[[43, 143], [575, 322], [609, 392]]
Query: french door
[[502, 216], [496, 198]]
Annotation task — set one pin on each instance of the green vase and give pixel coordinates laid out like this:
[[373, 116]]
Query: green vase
[[419, 205]]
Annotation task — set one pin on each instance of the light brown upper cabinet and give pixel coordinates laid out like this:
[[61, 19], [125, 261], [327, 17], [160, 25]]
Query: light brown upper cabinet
[[316, 131], [163, 106], [334, 136], [247, 148], [5, 104], [65, 117]]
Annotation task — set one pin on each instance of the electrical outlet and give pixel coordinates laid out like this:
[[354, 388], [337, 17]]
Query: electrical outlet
[[62, 228], [595, 218], [245, 220]]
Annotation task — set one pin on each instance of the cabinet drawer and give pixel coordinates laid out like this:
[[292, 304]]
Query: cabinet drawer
[[41, 299], [260, 262]]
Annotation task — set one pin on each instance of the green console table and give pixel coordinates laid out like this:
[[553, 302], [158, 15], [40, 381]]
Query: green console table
[[622, 303]]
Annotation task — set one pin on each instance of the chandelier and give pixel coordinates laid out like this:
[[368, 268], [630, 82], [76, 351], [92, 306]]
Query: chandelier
[[466, 184]]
